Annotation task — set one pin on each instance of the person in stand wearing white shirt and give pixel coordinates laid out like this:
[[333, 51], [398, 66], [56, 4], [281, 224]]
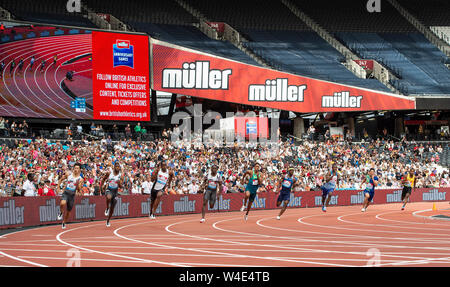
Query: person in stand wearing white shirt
[[193, 187], [147, 185], [29, 187]]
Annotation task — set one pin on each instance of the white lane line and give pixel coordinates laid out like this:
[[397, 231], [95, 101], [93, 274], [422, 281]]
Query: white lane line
[[22, 260], [58, 237]]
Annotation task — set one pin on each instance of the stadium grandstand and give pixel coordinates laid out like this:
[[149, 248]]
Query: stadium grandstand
[[345, 83]]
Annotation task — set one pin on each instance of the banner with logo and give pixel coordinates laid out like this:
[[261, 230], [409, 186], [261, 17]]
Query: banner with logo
[[188, 72], [34, 211], [218, 26], [106, 17], [120, 70], [366, 64]]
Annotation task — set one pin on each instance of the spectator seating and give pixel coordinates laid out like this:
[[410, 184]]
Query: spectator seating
[[48, 12], [352, 16], [251, 14], [418, 63], [191, 37], [136, 11], [306, 54], [430, 12]]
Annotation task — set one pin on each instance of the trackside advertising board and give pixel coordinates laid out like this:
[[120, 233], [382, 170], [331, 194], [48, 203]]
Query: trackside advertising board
[[33, 211], [188, 72], [120, 76]]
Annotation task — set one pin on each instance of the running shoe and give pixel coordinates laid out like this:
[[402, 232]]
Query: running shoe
[[63, 226], [60, 216], [245, 217], [324, 208], [363, 210], [202, 220], [152, 216], [107, 223], [107, 212], [243, 208], [278, 217]]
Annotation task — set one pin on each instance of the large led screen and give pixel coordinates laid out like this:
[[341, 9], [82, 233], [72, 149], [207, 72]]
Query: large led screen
[[56, 72]]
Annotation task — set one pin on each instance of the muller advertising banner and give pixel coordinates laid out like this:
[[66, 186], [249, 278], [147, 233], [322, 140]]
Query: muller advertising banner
[[33, 211], [184, 71]]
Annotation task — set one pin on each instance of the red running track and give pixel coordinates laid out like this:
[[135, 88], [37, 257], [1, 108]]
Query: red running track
[[343, 236]]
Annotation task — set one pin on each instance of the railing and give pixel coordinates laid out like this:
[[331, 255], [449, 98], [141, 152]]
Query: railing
[[4, 14], [208, 30], [99, 21], [443, 32]]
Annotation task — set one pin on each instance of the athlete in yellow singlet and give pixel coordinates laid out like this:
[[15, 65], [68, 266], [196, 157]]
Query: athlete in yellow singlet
[[409, 182]]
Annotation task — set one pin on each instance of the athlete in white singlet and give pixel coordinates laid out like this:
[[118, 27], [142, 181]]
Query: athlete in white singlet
[[331, 182], [113, 181], [212, 182], [74, 182], [162, 177]]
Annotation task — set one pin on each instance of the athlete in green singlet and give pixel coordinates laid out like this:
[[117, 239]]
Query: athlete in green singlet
[[254, 181]]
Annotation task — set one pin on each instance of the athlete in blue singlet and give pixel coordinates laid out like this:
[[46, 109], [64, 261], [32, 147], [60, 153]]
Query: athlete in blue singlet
[[286, 183], [331, 182], [251, 188], [371, 182]]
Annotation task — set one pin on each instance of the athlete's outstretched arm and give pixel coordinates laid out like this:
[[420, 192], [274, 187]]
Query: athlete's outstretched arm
[[171, 176], [64, 177], [375, 182], [220, 185], [79, 186], [102, 181], [155, 174]]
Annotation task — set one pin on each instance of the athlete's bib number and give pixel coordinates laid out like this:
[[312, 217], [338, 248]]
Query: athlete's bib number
[[161, 182], [71, 186], [286, 184], [212, 185], [255, 182], [113, 185]]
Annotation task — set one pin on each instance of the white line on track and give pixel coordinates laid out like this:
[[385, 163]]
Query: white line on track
[[378, 216], [249, 244], [301, 220], [334, 242], [205, 239], [58, 237], [386, 225], [22, 260], [322, 241]]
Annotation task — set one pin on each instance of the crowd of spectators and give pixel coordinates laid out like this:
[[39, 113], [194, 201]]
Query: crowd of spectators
[[13, 128], [39, 163]]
